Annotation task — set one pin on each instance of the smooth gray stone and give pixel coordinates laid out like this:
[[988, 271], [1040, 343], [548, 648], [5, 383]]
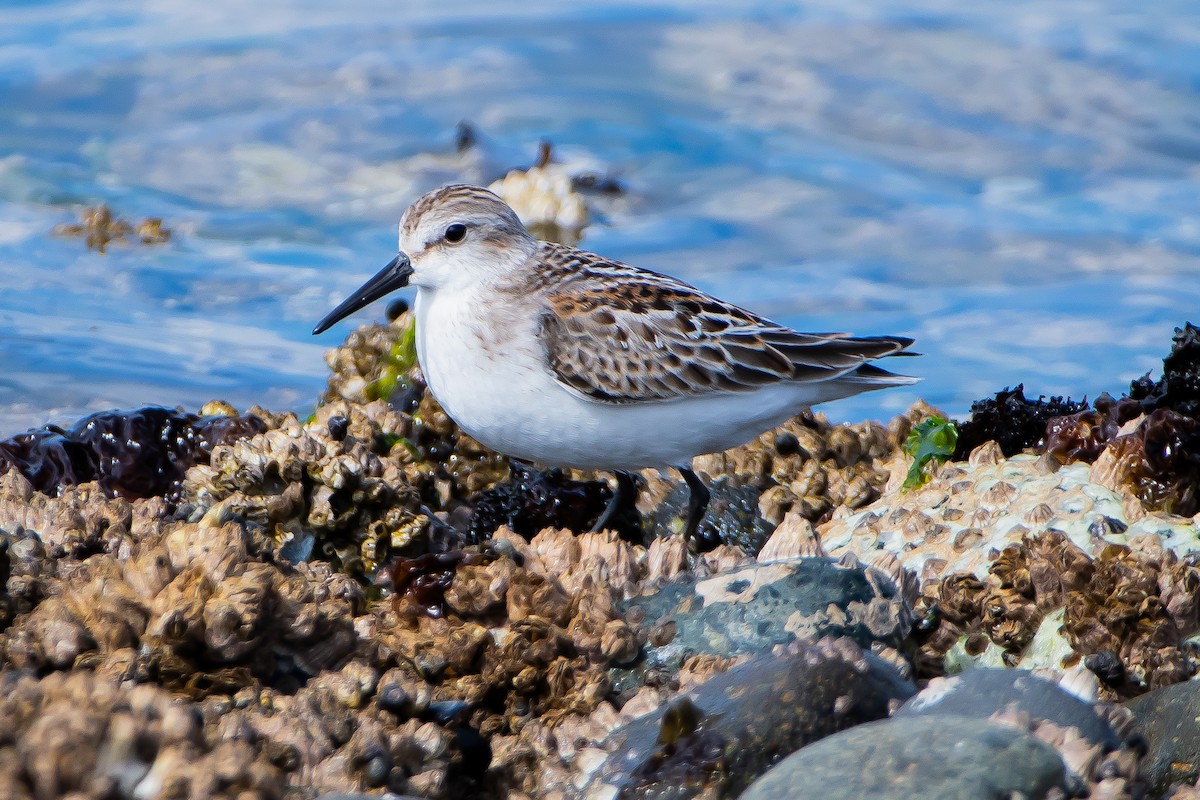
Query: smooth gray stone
[[917, 758], [979, 693], [1169, 719], [730, 729]]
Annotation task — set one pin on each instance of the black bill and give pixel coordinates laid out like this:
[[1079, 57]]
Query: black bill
[[392, 277]]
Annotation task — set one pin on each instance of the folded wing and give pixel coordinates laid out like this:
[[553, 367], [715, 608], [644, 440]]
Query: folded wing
[[642, 339]]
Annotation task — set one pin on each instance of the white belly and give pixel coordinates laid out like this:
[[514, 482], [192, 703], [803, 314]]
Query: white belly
[[495, 385]]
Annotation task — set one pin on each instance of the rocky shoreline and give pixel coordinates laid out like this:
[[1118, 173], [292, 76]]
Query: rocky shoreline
[[368, 602]]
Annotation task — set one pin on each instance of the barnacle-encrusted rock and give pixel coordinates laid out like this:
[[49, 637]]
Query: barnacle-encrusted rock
[[353, 496], [200, 608], [86, 733], [518, 637], [1135, 606], [516, 667], [952, 524], [806, 466], [46, 537], [813, 467], [337, 734], [82, 736], [545, 199], [1024, 560], [81, 520]]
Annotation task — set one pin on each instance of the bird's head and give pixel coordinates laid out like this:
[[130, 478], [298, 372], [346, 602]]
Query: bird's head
[[456, 237]]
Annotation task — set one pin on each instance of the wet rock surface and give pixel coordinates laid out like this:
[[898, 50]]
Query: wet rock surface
[[723, 734], [982, 693], [948, 758], [1097, 741], [1167, 718], [367, 601], [751, 609]]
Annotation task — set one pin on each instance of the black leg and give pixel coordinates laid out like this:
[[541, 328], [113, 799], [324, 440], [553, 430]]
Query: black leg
[[626, 489], [697, 503]]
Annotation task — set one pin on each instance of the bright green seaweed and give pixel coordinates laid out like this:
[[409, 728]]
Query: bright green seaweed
[[930, 440]]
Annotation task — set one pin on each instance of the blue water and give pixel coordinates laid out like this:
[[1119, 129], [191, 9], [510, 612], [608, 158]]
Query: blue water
[[1015, 184]]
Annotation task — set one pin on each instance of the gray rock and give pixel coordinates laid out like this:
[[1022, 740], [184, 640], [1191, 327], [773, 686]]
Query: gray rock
[[730, 729], [751, 609], [917, 758], [299, 548], [980, 693], [1169, 719]]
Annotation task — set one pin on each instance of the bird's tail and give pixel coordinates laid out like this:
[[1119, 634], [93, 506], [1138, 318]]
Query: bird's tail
[[869, 377]]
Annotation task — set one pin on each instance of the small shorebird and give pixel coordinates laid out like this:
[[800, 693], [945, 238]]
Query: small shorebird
[[552, 354]]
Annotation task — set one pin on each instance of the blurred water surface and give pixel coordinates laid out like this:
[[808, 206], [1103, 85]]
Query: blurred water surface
[[1012, 183]]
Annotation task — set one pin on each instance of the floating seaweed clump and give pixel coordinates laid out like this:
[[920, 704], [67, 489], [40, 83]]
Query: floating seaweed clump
[[132, 454], [1012, 421], [100, 226]]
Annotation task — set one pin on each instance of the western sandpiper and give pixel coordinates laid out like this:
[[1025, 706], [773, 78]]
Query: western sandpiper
[[552, 354]]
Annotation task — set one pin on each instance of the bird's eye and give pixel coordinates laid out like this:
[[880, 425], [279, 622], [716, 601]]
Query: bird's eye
[[456, 233]]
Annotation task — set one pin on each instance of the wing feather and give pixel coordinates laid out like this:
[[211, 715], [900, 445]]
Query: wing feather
[[618, 334]]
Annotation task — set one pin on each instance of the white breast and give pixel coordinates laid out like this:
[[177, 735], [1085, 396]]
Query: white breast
[[485, 366]]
